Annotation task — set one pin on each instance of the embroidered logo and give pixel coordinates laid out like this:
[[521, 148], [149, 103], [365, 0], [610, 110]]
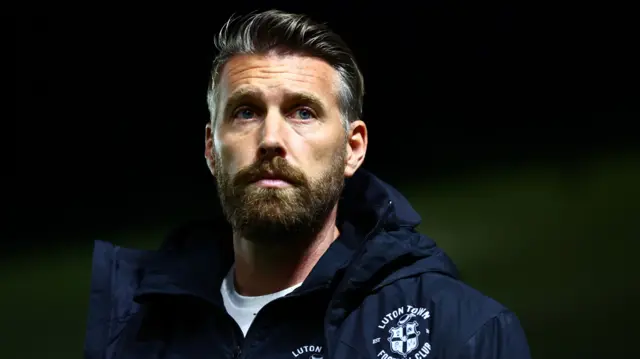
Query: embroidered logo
[[404, 334], [308, 352]]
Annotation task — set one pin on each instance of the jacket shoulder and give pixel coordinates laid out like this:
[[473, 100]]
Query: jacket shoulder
[[453, 297], [115, 275]]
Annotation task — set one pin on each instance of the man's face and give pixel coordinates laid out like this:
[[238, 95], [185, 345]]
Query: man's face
[[279, 146]]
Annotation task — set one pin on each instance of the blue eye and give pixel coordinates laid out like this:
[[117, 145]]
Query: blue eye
[[245, 114], [304, 114]]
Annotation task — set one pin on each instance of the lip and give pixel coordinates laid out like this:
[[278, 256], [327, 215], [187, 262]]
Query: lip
[[272, 183]]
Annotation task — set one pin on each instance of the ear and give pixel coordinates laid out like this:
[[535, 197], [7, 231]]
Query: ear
[[356, 147], [208, 147]]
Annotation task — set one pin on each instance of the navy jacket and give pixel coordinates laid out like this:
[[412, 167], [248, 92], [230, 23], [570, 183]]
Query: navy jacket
[[381, 290]]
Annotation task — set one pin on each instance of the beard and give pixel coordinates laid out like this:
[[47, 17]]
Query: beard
[[293, 214]]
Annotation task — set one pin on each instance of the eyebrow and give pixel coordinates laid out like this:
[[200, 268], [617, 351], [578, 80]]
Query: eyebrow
[[248, 93]]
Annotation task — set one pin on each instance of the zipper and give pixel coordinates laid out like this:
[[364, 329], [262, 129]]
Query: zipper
[[257, 324], [237, 352], [240, 341], [236, 334]]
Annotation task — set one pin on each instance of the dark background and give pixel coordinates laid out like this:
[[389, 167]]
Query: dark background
[[511, 130]]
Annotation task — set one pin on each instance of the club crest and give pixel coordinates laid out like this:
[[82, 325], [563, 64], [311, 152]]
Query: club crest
[[405, 332]]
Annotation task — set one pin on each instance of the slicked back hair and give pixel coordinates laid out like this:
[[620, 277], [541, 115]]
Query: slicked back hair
[[275, 31]]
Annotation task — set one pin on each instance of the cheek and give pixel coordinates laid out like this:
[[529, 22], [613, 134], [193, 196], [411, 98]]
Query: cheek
[[324, 157], [226, 160], [234, 155], [323, 142]]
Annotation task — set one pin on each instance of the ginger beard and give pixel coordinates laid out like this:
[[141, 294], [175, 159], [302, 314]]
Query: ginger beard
[[293, 213]]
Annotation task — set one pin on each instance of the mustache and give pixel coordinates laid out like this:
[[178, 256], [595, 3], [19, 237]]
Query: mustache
[[276, 167]]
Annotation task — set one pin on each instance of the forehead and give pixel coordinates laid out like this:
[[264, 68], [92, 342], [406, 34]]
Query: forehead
[[273, 74]]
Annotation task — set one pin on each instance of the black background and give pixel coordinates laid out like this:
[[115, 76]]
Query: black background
[[110, 109]]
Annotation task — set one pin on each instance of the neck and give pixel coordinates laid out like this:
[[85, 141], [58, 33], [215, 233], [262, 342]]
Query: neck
[[266, 267]]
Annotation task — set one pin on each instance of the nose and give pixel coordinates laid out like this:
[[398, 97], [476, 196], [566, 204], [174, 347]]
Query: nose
[[271, 141]]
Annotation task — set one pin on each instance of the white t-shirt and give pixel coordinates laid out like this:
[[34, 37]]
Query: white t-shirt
[[243, 309]]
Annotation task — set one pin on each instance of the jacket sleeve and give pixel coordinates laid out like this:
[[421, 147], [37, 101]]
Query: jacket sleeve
[[114, 278], [501, 337]]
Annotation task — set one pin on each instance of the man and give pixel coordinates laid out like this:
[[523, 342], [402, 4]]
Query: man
[[315, 257]]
